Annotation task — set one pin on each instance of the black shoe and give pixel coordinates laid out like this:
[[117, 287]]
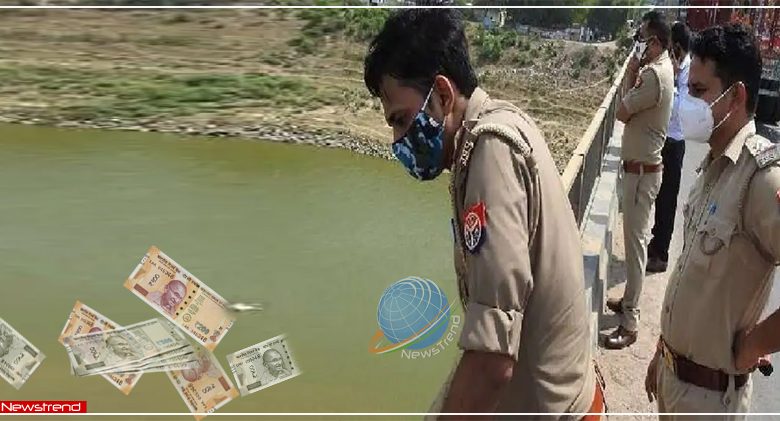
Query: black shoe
[[656, 265], [620, 338], [615, 305]]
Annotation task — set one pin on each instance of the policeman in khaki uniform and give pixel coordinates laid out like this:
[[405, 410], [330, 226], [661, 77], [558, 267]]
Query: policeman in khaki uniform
[[710, 336], [526, 336], [646, 109]]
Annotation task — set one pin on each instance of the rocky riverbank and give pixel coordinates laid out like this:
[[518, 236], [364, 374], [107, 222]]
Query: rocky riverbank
[[284, 134]]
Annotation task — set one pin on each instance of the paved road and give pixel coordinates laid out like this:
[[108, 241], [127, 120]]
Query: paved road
[[766, 390]]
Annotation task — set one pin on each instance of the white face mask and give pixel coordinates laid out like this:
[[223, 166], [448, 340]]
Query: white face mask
[[696, 118]]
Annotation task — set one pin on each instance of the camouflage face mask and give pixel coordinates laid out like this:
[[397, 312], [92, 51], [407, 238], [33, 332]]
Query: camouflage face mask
[[421, 148]]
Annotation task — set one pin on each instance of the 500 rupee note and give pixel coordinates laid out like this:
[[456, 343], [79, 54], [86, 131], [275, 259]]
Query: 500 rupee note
[[18, 357], [128, 347], [84, 319], [263, 365], [181, 298]]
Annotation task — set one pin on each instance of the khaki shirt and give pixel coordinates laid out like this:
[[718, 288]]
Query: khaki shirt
[[524, 286], [650, 104], [722, 281]]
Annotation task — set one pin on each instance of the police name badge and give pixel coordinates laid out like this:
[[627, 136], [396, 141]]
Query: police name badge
[[474, 223]]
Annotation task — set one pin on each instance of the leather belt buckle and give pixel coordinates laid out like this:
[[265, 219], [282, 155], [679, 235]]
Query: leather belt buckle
[[669, 358]]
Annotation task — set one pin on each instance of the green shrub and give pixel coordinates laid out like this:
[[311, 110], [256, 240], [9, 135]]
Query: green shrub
[[522, 60], [582, 58], [364, 24], [272, 60], [304, 44], [490, 44], [142, 94], [489, 50], [357, 24]]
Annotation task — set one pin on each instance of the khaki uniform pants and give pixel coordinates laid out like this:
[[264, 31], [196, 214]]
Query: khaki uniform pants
[[675, 395], [639, 193]]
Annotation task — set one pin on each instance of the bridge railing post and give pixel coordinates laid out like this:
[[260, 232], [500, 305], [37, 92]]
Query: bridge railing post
[[591, 179]]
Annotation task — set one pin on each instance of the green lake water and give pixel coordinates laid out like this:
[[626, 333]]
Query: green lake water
[[315, 234]]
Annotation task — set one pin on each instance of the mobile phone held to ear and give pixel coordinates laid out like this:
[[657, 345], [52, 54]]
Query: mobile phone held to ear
[[766, 369], [639, 50]]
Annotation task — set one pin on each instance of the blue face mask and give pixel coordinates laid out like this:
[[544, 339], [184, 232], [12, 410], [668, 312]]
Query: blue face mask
[[421, 149]]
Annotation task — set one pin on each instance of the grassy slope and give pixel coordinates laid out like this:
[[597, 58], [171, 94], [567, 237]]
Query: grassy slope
[[238, 67]]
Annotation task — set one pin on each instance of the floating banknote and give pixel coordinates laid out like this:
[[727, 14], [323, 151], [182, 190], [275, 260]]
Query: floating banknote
[[181, 297], [163, 363], [18, 357], [162, 368], [169, 361], [263, 365], [179, 359], [84, 319], [126, 348], [204, 387]]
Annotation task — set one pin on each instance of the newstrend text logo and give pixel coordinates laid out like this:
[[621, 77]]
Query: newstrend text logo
[[43, 407], [413, 316]]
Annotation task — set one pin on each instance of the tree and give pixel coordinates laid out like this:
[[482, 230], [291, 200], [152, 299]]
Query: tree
[[541, 17], [610, 20]]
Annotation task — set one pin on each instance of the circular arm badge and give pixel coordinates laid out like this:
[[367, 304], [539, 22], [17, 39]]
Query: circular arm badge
[[474, 223]]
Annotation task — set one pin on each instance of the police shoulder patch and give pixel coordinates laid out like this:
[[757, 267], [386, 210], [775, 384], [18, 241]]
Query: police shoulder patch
[[474, 224], [768, 156], [762, 150]]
